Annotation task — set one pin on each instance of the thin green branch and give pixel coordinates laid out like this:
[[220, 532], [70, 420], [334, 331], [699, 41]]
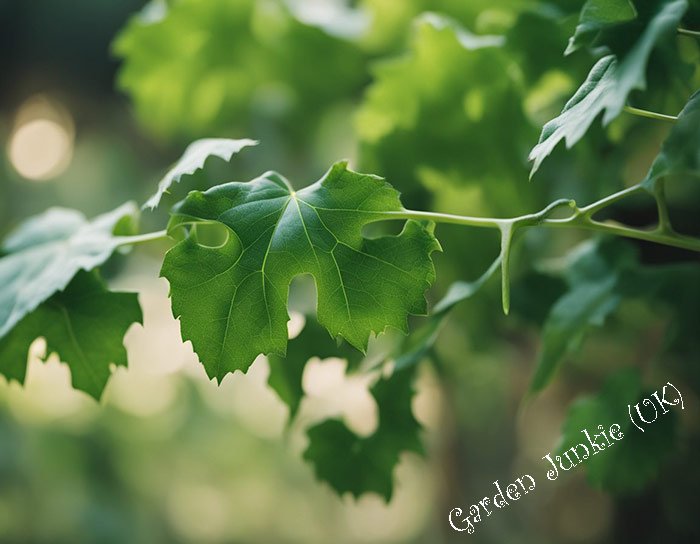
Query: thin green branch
[[609, 227], [650, 114], [464, 220], [686, 32], [143, 238], [662, 207], [580, 218]]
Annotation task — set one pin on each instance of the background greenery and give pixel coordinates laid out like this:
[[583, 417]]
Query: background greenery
[[449, 119]]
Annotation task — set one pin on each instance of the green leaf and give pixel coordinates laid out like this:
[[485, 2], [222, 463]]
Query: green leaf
[[593, 275], [286, 372], [200, 69], [680, 152], [418, 344], [44, 254], [609, 83], [630, 464], [232, 300], [355, 464], [194, 158], [597, 15], [435, 116], [85, 324]]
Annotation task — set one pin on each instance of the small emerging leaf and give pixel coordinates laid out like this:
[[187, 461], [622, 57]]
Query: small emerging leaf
[[193, 159]]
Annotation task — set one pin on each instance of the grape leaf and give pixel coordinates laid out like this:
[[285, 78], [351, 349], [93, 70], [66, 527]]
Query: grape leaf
[[193, 159], [231, 300], [630, 464], [44, 254], [452, 91], [286, 372], [196, 69], [419, 343], [609, 83], [355, 464], [597, 15], [680, 152], [593, 273], [85, 324]]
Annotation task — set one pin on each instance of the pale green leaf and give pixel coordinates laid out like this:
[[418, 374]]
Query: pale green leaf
[[44, 254]]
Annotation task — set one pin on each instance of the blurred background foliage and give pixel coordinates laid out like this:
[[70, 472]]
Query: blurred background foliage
[[99, 97]]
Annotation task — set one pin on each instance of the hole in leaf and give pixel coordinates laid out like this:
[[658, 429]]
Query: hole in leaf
[[382, 228], [212, 235], [302, 295]]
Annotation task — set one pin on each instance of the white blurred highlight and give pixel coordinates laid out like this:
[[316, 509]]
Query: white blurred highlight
[[41, 144]]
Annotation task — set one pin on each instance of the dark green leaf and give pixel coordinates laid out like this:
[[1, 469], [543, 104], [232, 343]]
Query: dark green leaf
[[680, 152], [609, 83], [355, 464], [597, 15], [630, 464], [85, 325], [593, 274], [286, 372], [417, 345]]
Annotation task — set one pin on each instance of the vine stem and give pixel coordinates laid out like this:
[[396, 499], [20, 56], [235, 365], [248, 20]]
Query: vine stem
[[650, 114], [686, 32], [143, 238], [579, 218]]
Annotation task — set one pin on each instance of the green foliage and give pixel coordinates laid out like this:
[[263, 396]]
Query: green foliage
[[194, 158], [449, 121], [286, 372], [44, 254], [680, 153], [593, 275], [599, 276], [358, 464], [612, 79], [435, 126], [232, 300], [46, 292], [84, 324], [197, 69], [629, 465], [597, 15]]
